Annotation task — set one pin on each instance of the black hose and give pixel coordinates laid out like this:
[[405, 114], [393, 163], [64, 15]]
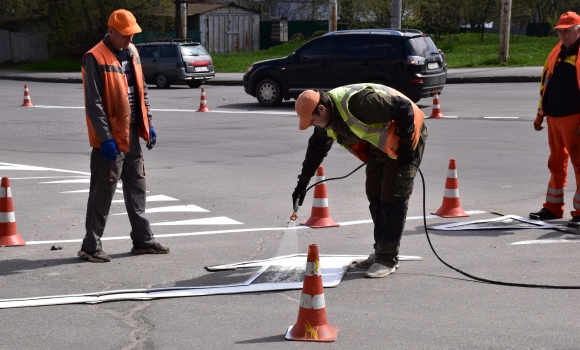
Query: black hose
[[510, 284]]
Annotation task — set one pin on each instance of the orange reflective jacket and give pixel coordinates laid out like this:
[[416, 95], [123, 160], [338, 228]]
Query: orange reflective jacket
[[548, 70], [115, 97]]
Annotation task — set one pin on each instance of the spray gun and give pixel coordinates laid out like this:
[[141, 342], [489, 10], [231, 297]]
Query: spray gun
[[294, 216]]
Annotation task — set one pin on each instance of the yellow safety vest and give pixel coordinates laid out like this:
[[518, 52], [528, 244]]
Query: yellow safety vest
[[381, 135]]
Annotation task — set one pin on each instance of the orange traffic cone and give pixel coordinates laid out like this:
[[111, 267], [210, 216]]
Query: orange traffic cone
[[312, 324], [203, 103], [451, 207], [320, 214], [27, 101], [8, 233], [436, 113]]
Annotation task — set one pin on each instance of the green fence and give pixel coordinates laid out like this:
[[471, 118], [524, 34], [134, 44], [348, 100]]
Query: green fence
[[306, 28], [143, 37]]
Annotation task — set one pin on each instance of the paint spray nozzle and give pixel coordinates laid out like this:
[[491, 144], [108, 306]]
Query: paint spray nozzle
[[294, 216]]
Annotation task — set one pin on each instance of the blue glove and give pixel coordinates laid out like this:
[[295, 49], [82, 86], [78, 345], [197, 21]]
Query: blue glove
[[152, 138], [109, 150]]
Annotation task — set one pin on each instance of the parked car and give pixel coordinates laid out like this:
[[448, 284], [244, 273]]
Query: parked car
[[404, 59], [171, 61]]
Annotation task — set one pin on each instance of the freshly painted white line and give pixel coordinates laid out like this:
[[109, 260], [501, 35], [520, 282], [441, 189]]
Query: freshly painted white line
[[501, 117], [156, 198], [175, 209], [451, 116], [562, 239], [184, 110], [43, 177], [87, 191], [184, 234], [72, 181], [218, 220], [10, 166]]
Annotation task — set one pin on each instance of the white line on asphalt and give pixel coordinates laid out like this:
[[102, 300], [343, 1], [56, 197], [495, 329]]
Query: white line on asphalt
[[186, 110], [10, 166], [569, 238], [281, 228], [188, 208], [501, 117]]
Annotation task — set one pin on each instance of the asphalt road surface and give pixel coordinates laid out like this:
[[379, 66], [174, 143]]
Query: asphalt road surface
[[224, 180]]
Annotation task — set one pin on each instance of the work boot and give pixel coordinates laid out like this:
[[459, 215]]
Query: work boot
[[154, 248], [98, 256], [574, 223], [366, 263], [543, 214], [378, 270]]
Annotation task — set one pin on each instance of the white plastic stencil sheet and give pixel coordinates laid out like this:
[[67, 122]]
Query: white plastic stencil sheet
[[502, 222], [279, 273]]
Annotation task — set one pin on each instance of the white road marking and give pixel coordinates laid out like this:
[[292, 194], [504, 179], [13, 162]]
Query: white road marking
[[185, 110], [72, 181], [175, 209], [184, 234], [10, 166], [568, 238], [156, 198], [218, 220], [501, 117]]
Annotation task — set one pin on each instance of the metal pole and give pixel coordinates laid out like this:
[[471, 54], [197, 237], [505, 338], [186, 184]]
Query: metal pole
[[333, 10], [396, 13], [504, 35], [183, 20]]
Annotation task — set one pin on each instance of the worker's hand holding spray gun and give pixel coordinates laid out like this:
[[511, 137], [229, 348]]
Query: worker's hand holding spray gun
[[298, 198]]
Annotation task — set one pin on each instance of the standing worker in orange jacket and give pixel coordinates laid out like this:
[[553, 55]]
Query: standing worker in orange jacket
[[117, 114], [560, 103]]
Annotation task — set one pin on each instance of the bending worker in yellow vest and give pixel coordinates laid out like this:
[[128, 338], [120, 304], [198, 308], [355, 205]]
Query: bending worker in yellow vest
[[377, 124], [117, 114]]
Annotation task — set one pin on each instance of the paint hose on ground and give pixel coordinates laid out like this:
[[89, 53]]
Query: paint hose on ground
[[484, 280]]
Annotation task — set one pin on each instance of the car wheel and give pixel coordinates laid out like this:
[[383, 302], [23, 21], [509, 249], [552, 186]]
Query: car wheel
[[268, 93], [161, 81], [194, 84]]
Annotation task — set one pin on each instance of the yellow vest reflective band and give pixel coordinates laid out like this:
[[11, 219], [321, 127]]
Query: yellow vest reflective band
[[381, 135]]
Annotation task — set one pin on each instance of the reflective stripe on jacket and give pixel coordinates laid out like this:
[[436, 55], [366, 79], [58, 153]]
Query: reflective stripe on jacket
[[115, 97], [381, 135]]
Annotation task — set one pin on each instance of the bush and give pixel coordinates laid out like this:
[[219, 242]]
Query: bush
[[318, 33], [297, 37]]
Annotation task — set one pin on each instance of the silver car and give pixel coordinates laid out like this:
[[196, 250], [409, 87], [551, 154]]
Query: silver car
[[175, 62]]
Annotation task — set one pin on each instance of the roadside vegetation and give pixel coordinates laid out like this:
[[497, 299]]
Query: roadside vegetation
[[462, 51]]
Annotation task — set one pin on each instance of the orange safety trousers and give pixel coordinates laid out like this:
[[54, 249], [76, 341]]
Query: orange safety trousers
[[564, 144]]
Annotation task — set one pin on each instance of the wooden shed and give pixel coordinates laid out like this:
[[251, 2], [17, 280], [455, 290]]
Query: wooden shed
[[225, 27]]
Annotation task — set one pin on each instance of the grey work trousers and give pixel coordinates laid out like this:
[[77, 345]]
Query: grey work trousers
[[389, 187], [128, 168]]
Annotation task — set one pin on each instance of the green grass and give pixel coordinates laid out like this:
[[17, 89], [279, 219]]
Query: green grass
[[462, 51], [467, 50]]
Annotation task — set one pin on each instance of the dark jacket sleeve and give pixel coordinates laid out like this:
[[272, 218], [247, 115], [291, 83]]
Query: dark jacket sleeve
[[318, 146], [372, 107], [93, 83]]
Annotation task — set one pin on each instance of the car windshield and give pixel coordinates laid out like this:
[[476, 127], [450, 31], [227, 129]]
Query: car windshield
[[421, 46], [191, 50]]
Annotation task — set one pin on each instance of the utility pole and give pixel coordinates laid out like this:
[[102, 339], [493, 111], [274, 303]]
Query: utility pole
[[504, 34], [333, 12], [396, 6], [183, 20]]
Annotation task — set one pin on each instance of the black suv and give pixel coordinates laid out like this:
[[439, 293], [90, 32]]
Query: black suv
[[169, 61], [404, 59]]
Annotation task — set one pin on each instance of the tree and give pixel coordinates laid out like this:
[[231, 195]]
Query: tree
[[442, 16], [478, 12]]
